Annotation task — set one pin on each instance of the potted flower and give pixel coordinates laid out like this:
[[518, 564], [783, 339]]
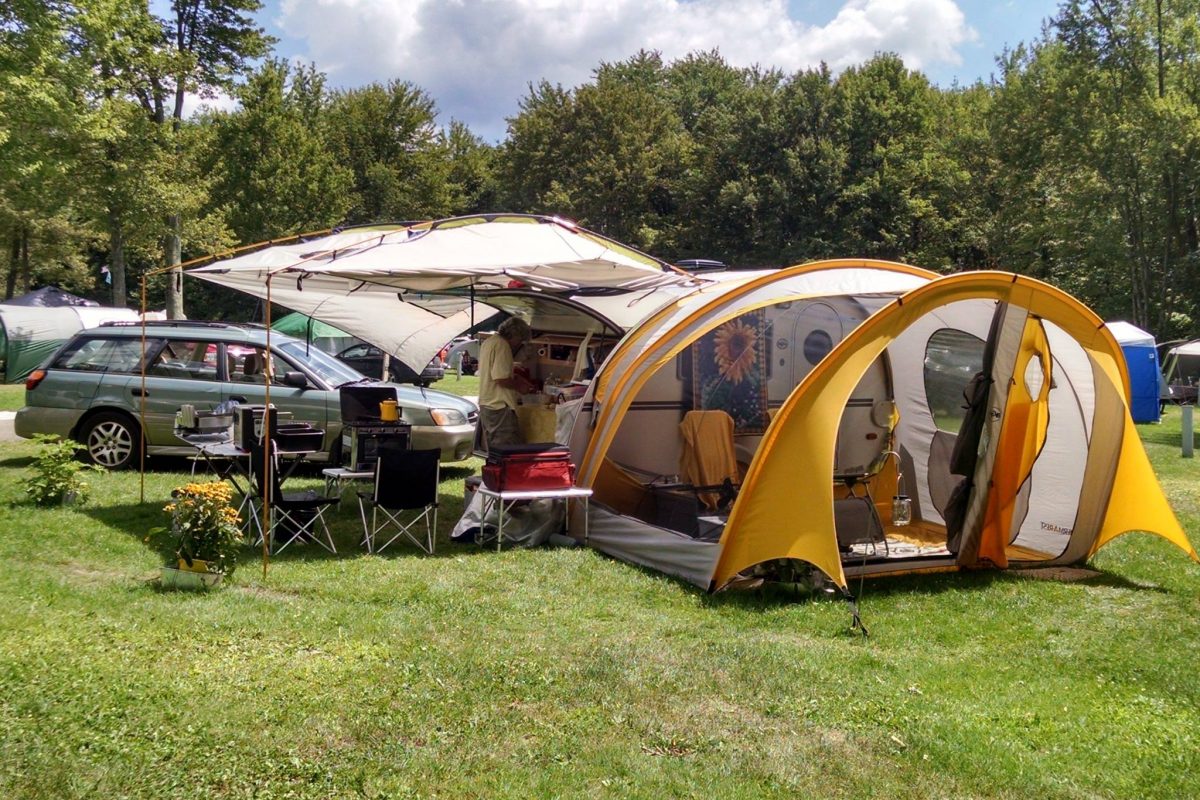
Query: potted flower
[[207, 534], [56, 469]]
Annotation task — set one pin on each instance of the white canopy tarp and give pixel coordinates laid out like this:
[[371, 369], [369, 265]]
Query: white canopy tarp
[[485, 251], [359, 280], [1186, 349], [407, 331]]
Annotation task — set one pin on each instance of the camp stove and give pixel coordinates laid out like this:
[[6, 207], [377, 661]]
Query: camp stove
[[368, 433], [367, 438]]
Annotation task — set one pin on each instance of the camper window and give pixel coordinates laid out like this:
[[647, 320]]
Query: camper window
[[952, 358], [817, 345]]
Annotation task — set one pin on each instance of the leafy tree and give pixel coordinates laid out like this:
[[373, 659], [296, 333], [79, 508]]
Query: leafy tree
[[766, 161], [43, 232], [277, 174], [1103, 117], [472, 174], [894, 172], [608, 154], [202, 47], [388, 138]]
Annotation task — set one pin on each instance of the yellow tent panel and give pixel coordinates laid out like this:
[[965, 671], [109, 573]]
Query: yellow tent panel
[[792, 466]]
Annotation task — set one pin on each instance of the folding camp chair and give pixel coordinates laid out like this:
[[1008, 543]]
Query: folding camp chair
[[295, 515], [868, 436], [405, 480]]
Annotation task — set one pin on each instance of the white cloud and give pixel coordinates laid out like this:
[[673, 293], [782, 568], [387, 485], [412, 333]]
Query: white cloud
[[477, 57], [194, 103]]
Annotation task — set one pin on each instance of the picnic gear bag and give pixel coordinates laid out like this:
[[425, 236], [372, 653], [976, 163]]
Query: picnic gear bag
[[528, 467]]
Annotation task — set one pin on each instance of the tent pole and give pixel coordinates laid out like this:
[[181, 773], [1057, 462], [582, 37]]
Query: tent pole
[[142, 405], [268, 478]]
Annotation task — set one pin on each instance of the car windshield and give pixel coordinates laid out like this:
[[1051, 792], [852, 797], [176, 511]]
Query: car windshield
[[332, 371]]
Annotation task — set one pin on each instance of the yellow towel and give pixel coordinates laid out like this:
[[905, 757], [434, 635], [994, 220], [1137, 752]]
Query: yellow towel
[[708, 456]]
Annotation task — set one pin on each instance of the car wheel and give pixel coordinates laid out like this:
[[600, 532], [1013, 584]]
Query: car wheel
[[110, 440]]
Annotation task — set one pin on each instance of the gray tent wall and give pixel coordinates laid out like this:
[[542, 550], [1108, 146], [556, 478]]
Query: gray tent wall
[[30, 334]]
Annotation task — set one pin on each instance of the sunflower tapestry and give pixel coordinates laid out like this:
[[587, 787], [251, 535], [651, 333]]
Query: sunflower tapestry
[[729, 372]]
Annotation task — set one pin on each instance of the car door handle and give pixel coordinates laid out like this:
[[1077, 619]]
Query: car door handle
[[237, 398], [139, 393]]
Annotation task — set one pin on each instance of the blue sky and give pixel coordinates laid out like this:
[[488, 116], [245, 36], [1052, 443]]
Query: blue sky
[[477, 58]]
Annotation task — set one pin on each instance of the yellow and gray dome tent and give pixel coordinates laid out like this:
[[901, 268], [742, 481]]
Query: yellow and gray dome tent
[[832, 359]]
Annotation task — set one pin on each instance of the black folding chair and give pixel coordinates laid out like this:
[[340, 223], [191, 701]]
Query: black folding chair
[[295, 515], [405, 480]]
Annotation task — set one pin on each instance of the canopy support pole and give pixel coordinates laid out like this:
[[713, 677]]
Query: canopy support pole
[[142, 405], [268, 480]]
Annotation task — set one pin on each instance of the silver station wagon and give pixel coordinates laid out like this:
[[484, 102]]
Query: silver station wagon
[[91, 389]]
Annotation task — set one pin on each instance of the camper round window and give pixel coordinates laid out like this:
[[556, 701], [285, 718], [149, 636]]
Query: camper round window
[[817, 345], [952, 358]]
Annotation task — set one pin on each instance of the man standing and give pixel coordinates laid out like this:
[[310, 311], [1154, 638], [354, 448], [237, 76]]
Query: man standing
[[498, 386]]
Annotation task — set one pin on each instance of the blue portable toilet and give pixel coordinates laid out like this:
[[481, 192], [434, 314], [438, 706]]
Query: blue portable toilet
[[1145, 376]]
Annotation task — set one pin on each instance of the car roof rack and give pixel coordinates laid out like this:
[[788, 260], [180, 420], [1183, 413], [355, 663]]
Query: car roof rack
[[174, 323]]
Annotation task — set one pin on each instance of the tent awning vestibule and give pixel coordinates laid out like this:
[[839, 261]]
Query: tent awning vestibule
[[800, 440]]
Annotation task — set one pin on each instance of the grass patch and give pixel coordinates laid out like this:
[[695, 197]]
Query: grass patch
[[12, 396], [563, 673], [463, 386]]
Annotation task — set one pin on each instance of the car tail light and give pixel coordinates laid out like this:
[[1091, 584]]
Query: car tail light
[[34, 379]]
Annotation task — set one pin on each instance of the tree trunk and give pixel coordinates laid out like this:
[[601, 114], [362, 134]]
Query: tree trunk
[[25, 279], [171, 248], [116, 257], [14, 257]]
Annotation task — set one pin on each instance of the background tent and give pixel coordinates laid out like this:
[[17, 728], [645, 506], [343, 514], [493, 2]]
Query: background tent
[[322, 335], [1182, 369], [1145, 377], [29, 334], [50, 297]]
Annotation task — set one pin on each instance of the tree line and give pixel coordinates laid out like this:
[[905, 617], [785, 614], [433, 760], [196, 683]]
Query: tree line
[[1078, 163]]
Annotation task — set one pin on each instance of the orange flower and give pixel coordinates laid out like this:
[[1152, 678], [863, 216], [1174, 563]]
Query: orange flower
[[735, 350]]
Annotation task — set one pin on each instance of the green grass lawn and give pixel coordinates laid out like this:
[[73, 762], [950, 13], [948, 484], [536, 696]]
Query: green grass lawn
[[12, 396], [464, 385], [562, 673]]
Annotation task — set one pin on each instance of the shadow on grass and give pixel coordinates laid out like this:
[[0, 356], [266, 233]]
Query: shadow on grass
[[770, 595], [454, 472], [17, 462], [1158, 436], [138, 520]]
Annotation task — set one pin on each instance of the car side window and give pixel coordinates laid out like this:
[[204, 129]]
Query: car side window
[[102, 355], [185, 359], [246, 364]]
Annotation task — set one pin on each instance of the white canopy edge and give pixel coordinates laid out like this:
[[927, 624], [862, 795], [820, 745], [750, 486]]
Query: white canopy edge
[[542, 253], [1186, 349], [412, 334]]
